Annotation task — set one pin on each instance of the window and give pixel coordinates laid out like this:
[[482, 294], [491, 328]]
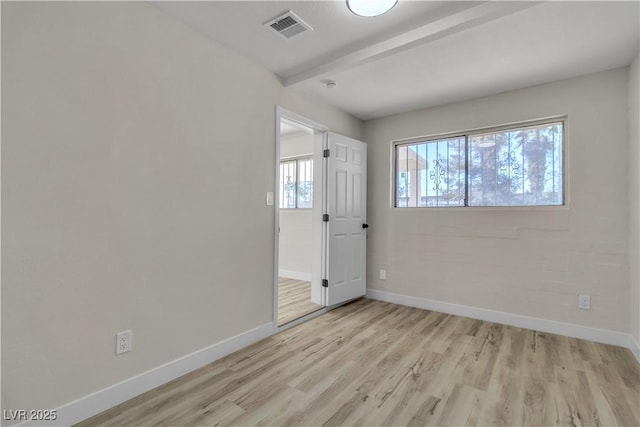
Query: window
[[431, 173], [517, 166], [296, 183]]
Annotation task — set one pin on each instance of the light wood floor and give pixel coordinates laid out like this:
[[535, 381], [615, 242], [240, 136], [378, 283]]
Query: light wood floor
[[373, 363], [294, 300]]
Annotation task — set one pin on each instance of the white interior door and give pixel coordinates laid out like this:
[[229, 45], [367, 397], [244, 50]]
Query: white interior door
[[346, 204]]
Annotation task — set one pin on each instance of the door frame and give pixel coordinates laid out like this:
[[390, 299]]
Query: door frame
[[321, 133]]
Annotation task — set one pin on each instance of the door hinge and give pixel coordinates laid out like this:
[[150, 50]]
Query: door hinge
[[326, 153], [325, 283], [325, 218]]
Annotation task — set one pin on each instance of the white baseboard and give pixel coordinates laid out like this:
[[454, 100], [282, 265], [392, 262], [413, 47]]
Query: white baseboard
[[111, 396], [634, 346], [550, 326], [295, 275]]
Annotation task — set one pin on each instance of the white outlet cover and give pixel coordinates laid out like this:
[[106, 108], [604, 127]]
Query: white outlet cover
[[584, 302], [124, 342], [269, 198]]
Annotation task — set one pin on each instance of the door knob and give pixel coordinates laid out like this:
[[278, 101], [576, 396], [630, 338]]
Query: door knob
[[365, 225]]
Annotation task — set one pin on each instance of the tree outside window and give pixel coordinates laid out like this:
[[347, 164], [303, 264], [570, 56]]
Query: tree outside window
[[518, 166], [296, 183]]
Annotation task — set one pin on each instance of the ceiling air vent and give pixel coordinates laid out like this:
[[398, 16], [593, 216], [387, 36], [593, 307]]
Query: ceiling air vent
[[288, 25]]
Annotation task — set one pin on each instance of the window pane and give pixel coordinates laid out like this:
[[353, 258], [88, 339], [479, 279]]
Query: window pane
[[296, 184], [402, 180], [516, 167], [431, 173], [305, 183], [287, 185]]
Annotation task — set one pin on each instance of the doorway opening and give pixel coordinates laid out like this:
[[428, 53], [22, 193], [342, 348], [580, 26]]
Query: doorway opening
[[296, 199], [321, 219]]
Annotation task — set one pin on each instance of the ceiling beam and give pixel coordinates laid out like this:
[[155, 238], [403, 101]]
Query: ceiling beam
[[476, 14]]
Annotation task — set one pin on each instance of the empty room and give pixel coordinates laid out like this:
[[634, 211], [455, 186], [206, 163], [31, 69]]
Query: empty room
[[305, 213]]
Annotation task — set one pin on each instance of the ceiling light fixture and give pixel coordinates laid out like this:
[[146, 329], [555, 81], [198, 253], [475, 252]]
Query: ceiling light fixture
[[370, 8]]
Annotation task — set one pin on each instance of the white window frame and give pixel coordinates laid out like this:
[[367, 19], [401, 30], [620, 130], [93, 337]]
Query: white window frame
[[297, 160], [478, 131]]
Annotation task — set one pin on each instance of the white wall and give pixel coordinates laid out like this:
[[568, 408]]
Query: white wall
[[295, 244], [136, 154], [532, 262], [634, 203], [296, 233], [295, 145]]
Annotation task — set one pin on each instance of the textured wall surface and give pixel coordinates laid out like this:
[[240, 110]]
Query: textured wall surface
[[529, 261]]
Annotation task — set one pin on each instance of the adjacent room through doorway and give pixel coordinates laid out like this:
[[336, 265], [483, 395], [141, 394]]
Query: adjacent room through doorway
[[295, 202]]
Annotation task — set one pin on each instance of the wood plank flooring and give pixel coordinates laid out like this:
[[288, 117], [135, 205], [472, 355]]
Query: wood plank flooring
[[371, 363], [294, 300]]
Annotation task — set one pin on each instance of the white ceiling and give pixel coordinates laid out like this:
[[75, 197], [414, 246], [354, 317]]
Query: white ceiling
[[422, 53]]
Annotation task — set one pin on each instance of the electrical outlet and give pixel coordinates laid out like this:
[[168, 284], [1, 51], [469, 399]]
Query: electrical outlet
[[584, 302], [383, 274], [123, 342]]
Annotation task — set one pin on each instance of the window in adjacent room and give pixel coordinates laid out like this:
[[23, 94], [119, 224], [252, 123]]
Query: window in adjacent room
[[296, 183], [519, 165]]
